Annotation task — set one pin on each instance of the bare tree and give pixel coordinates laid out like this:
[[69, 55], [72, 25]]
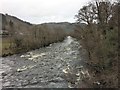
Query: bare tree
[[87, 14], [99, 12]]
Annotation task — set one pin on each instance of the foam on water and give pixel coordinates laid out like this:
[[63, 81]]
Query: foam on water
[[68, 41]]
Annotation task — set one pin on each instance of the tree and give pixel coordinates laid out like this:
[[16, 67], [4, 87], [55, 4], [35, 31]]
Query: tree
[[104, 14], [98, 12], [103, 52], [87, 14]]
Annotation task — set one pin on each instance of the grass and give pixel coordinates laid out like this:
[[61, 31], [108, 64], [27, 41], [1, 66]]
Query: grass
[[6, 46], [15, 45]]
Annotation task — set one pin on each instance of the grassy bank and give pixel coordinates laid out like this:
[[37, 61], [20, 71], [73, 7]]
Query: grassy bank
[[10, 46], [7, 48], [16, 44]]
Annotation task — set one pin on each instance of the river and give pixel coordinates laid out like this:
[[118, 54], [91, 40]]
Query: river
[[60, 65]]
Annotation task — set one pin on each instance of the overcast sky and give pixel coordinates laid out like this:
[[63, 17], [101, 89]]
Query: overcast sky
[[42, 11]]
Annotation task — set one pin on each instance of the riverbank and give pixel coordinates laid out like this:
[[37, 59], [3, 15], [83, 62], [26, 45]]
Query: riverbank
[[8, 46], [102, 59]]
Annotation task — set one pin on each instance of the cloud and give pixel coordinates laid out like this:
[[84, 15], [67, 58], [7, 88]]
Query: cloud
[[40, 11]]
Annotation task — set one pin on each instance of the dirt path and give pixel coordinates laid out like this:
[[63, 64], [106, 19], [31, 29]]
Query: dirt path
[[60, 65]]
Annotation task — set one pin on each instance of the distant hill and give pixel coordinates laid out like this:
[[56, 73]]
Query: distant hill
[[13, 24], [67, 27], [18, 26]]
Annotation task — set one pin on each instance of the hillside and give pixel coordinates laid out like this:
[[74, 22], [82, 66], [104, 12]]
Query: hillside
[[23, 27], [67, 27], [15, 25]]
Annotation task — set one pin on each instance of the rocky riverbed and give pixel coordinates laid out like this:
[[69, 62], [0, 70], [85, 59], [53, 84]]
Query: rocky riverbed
[[60, 65]]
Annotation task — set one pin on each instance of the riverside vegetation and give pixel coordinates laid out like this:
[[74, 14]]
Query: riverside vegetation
[[100, 38]]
